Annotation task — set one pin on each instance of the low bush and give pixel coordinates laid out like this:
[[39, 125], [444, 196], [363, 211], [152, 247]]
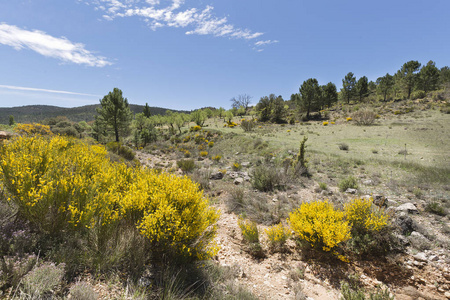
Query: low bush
[[186, 165], [343, 146], [122, 150], [348, 183], [247, 125], [266, 178], [250, 234], [42, 281], [319, 225], [435, 208], [82, 290], [371, 231], [364, 117], [277, 236]]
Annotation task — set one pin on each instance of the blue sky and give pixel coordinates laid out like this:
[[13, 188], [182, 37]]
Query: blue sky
[[187, 54]]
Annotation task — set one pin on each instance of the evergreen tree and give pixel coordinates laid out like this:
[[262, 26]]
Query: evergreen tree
[[348, 86], [330, 95], [11, 120], [429, 77], [362, 88], [385, 84], [310, 95], [146, 111], [407, 76], [114, 113]]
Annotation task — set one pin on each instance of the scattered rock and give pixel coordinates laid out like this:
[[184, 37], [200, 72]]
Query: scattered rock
[[380, 201], [216, 176], [408, 207], [351, 191], [405, 223], [368, 182], [246, 164], [420, 256], [238, 181]]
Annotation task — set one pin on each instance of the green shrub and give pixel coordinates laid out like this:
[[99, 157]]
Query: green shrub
[[186, 165], [82, 291], [122, 150], [364, 117], [266, 178], [435, 208], [418, 95], [42, 281], [348, 183], [343, 146], [247, 125]]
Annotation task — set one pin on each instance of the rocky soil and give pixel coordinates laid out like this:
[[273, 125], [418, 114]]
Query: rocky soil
[[422, 272]]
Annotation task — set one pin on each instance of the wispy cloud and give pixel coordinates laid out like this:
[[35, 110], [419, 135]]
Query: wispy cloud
[[47, 45], [198, 21], [29, 89], [263, 43]]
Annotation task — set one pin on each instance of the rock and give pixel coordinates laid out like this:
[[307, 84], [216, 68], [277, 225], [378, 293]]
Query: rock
[[216, 176], [368, 182], [246, 164], [405, 223], [238, 181], [407, 207], [447, 295], [380, 201], [233, 174], [433, 258], [420, 257], [351, 191]]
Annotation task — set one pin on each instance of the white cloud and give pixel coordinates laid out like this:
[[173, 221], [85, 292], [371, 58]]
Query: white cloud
[[202, 22], [28, 89], [47, 45], [263, 43]]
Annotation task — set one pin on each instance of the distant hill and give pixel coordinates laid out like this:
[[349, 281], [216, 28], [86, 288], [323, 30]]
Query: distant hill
[[37, 113]]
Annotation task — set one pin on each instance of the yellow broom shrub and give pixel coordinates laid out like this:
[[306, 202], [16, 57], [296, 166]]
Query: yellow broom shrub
[[63, 184], [320, 225]]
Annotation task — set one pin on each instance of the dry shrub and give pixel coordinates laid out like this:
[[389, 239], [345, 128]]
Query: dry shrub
[[364, 117]]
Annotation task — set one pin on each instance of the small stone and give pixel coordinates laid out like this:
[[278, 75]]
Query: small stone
[[238, 181], [447, 295], [216, 176], [351, 191], [421, 257], [368, 182], [407, 207], [433, 258]]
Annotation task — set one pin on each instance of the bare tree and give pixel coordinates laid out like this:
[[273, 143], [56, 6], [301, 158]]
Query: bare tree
[[241, 100]]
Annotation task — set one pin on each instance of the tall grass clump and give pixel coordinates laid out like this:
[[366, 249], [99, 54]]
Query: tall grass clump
[[67, 190], [266, 178]]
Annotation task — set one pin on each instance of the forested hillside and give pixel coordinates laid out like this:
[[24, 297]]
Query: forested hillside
[[37, 113]]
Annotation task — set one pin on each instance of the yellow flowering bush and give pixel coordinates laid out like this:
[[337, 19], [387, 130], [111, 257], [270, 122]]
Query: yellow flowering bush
[[325, 123], [33, 129], [237, 166], [216, 158], [278, 235], [61, 185], [204, 153], [320, 225], [196, 128], [349, 119], [363, 216], [249, 230], [211, 144], [371, 233]]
